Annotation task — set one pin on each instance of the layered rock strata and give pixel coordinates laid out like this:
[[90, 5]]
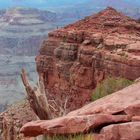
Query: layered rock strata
[[74, 59]]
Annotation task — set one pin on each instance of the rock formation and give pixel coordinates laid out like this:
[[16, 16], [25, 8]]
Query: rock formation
[[13, 119], [74, 59], [109, 118]]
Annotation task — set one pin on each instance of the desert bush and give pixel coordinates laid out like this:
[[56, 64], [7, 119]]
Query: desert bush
[[109, 86]]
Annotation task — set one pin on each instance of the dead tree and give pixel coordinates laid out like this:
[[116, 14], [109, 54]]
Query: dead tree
[[37, 98]]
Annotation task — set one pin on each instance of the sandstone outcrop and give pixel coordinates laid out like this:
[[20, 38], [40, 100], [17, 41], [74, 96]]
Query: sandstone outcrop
[[74, 59], [71, 124], [125, 131], [110, 118]]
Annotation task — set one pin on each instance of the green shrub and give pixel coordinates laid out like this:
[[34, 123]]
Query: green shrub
[[109, 86]]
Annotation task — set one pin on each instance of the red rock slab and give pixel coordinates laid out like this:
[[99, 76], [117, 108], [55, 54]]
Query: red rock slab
[[133, 110], [71, 124], [113, 104], [125, 131], [136, 118]]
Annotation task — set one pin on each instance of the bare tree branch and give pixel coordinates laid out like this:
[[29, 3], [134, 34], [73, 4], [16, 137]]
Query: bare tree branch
[[37, 98]]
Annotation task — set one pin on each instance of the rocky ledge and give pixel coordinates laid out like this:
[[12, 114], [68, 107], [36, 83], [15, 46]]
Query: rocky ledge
[[74, 59], [109, 118]]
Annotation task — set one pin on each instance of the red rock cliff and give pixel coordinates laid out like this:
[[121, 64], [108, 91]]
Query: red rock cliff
[[77, 57]]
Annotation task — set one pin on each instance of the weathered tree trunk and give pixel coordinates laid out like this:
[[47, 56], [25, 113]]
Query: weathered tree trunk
[[37, 98]]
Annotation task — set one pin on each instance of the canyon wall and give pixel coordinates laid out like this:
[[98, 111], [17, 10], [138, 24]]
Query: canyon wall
[[74, 59]]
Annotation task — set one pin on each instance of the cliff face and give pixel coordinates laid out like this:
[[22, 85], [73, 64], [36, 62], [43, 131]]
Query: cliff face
[[74, 59]]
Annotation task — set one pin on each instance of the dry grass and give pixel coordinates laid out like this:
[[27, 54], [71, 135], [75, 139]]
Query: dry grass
[[109, 86], [77, 137]]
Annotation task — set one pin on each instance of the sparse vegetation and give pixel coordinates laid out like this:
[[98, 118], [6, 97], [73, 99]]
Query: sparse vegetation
[[109, 86], [78, 137]]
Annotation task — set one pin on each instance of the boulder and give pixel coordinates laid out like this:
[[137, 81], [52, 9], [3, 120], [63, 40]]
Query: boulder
[[125, 131], [70, 125]]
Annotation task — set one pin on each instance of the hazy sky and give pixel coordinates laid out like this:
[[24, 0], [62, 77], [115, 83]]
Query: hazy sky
[[50, 3], [37, 3]]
